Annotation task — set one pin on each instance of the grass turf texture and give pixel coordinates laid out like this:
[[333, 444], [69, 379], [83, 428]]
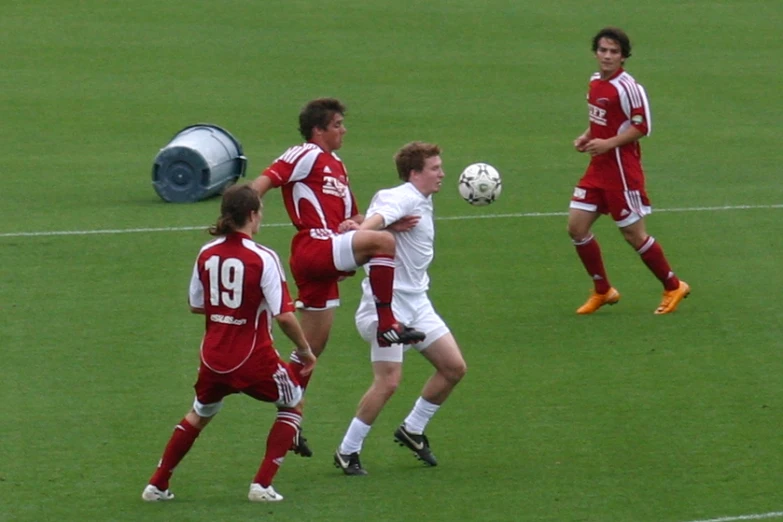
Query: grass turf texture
[[621, 416]]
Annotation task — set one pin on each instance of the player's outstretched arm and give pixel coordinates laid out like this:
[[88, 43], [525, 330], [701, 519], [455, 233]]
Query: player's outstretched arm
[[352, 223], [261, 184], [377, 222], [374, 222], [293, 330], [404, 224]]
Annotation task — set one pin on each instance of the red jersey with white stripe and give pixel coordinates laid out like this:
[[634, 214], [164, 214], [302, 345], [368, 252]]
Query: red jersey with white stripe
[[241, 287], [314, 186], [614, 105]]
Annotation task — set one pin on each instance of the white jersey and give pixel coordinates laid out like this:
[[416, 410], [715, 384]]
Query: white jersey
[[415, 248]]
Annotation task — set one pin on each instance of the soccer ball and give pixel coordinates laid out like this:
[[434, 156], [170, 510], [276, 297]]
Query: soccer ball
[[480, 184]]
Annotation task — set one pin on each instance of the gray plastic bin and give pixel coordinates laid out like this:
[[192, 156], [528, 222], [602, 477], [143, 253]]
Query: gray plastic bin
[[200, 161]]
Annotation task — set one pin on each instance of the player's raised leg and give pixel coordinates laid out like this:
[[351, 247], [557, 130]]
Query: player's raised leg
[[376, 249]]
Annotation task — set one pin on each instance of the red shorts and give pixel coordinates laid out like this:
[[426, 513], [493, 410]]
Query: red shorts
[[626, 206], [315, 271], [256, 378]]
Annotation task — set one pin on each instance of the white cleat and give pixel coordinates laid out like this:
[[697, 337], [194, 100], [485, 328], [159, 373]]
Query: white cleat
[[153, 494], [258, 493]]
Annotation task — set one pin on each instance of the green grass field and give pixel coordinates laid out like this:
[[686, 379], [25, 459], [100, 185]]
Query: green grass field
[[622, 416]]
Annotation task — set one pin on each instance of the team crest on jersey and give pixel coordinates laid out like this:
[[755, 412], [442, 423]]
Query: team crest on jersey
[[597, 114], [334, 187]]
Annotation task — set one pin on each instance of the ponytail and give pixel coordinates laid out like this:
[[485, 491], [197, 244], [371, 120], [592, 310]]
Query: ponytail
[[238, 202]]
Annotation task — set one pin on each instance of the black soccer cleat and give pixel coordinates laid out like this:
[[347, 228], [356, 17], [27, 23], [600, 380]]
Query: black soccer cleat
[[349, 463], [418, 444], [300, 446], [398, 333]]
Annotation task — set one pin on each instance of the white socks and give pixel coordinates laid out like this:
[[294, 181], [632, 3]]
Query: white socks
[[420, 415], [354, 437], [415, 422]]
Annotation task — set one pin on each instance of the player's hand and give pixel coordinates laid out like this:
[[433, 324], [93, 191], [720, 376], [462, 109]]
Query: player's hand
[[405, 223], [598, 146], [307, 358], [580, 142], [347, 226]]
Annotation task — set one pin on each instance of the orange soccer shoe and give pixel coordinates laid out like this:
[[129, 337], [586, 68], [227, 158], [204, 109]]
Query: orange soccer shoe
[[596, 301], [671, 298]]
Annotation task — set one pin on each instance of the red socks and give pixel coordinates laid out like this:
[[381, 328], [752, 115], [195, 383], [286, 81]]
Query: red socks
[[590, 254], [652, 255], [650, 252], [382, 284], [178, 446], [277, 444]]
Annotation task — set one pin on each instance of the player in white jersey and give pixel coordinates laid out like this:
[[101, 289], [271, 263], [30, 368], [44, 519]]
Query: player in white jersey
[[419, 165]]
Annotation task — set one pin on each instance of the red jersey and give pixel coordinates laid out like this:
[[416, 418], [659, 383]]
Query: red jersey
[[314, 186], [614, 105], [241, 287]]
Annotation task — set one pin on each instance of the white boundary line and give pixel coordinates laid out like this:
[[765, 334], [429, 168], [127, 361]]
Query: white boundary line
[[762, 516], [448, 218]]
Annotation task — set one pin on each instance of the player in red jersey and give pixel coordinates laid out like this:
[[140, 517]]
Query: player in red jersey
[[240, 287], [614, 181], [328, 245]]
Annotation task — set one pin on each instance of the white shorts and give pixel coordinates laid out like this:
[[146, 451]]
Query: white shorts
[[414, 310]]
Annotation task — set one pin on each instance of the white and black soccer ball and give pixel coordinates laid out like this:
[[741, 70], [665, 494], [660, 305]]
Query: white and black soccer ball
[[480, 184]]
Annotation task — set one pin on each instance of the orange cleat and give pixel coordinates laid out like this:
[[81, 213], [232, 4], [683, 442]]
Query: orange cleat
[[596, 301], [671, 298]]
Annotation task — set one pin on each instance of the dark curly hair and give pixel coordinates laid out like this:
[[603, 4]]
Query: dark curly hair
[[616, 34], [318, 113]]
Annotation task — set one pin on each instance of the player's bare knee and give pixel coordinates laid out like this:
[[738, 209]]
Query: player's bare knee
[[459, 371], [318, 348], [577, 232], [298, 407], [455, 371], [387, 382], [634, 238], [200, 416], [385, 387], [384, 243]]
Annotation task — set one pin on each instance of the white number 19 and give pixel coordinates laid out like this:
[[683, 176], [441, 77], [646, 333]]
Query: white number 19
[[230, 275]]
